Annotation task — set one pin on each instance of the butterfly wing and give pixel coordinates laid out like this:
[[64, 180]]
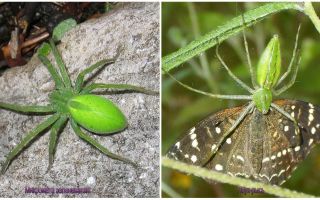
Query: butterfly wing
[[266, 148], [197, 145]]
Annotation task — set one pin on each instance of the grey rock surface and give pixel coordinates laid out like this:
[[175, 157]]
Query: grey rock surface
[[133, 30]]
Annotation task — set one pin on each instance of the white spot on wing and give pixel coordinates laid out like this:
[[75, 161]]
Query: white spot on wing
[[194, 158], [218, 167], [195, 144], [286, 128], [292, 114], [240, 158], [218, 130], [266, 159], [284, 152], [192, 130], [313, 130], [279, 154], [228, 141], [193, 136], [311, 118], [213, 147], [297, 148], [310, 141]]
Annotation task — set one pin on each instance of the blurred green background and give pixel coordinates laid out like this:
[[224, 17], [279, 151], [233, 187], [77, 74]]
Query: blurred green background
[[182, 109]]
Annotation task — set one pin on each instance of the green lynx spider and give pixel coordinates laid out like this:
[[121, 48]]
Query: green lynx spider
[[63, 92], [264, 86]]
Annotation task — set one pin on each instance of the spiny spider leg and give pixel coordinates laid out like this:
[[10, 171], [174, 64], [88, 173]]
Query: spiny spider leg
[[80, 78], [96, 144], [28, 139], [94, 86], [56, 127], [219, 96], [27, 109], [296, 126], [242, 84], [292, 59], [243, 114], [61, 65], [53, 72], [291, 81], [252, 71]]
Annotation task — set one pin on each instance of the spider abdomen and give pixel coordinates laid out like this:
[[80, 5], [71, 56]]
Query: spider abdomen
[[97, 114]]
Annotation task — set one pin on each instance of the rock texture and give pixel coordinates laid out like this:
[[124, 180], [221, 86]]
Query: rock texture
[[133, 30]]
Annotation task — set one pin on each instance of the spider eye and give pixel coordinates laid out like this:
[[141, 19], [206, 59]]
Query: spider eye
[[97, 114]]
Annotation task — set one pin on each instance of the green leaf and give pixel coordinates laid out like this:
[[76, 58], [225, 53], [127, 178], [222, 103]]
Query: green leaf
[[44, 49], [62, 28], [223, 32]]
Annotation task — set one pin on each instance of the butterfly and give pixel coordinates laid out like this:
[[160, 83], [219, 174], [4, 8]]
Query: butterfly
[[263, 147]]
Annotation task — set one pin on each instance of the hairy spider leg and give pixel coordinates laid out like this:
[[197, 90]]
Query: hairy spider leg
[[28, 140], [55, 130], [242, 84], [291, 81], [27, 109], [251, 69], [218, 96], [241, 117], [80, 79], [296, 125], [53, 72], [94, 86], [62, 67], [292, 59], [96, 144]]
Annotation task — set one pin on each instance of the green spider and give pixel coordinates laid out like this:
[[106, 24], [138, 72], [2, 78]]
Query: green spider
[[74, 103]]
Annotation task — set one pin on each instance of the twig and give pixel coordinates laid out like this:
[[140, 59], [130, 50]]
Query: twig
[[224, 178]]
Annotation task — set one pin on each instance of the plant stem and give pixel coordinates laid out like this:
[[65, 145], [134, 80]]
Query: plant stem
[[309, 10], [224, 178], [167, 189], [203, 57], [223, 32]]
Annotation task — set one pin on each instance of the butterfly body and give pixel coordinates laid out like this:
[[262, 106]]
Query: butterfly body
[[264, 147]]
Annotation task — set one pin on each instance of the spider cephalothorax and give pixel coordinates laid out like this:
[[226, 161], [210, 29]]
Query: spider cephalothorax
[[74, 103]]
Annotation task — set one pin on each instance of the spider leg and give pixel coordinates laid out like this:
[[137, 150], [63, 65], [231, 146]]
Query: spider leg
[[292, 59], [54, 74], [252, 71], [80, 78], [291, 81], [218, 96], [243, 114], [296, 125], [96, 144], [26, 109], [56, 127], [94, 86], [27, 140], [61, 65], [242, 84]]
